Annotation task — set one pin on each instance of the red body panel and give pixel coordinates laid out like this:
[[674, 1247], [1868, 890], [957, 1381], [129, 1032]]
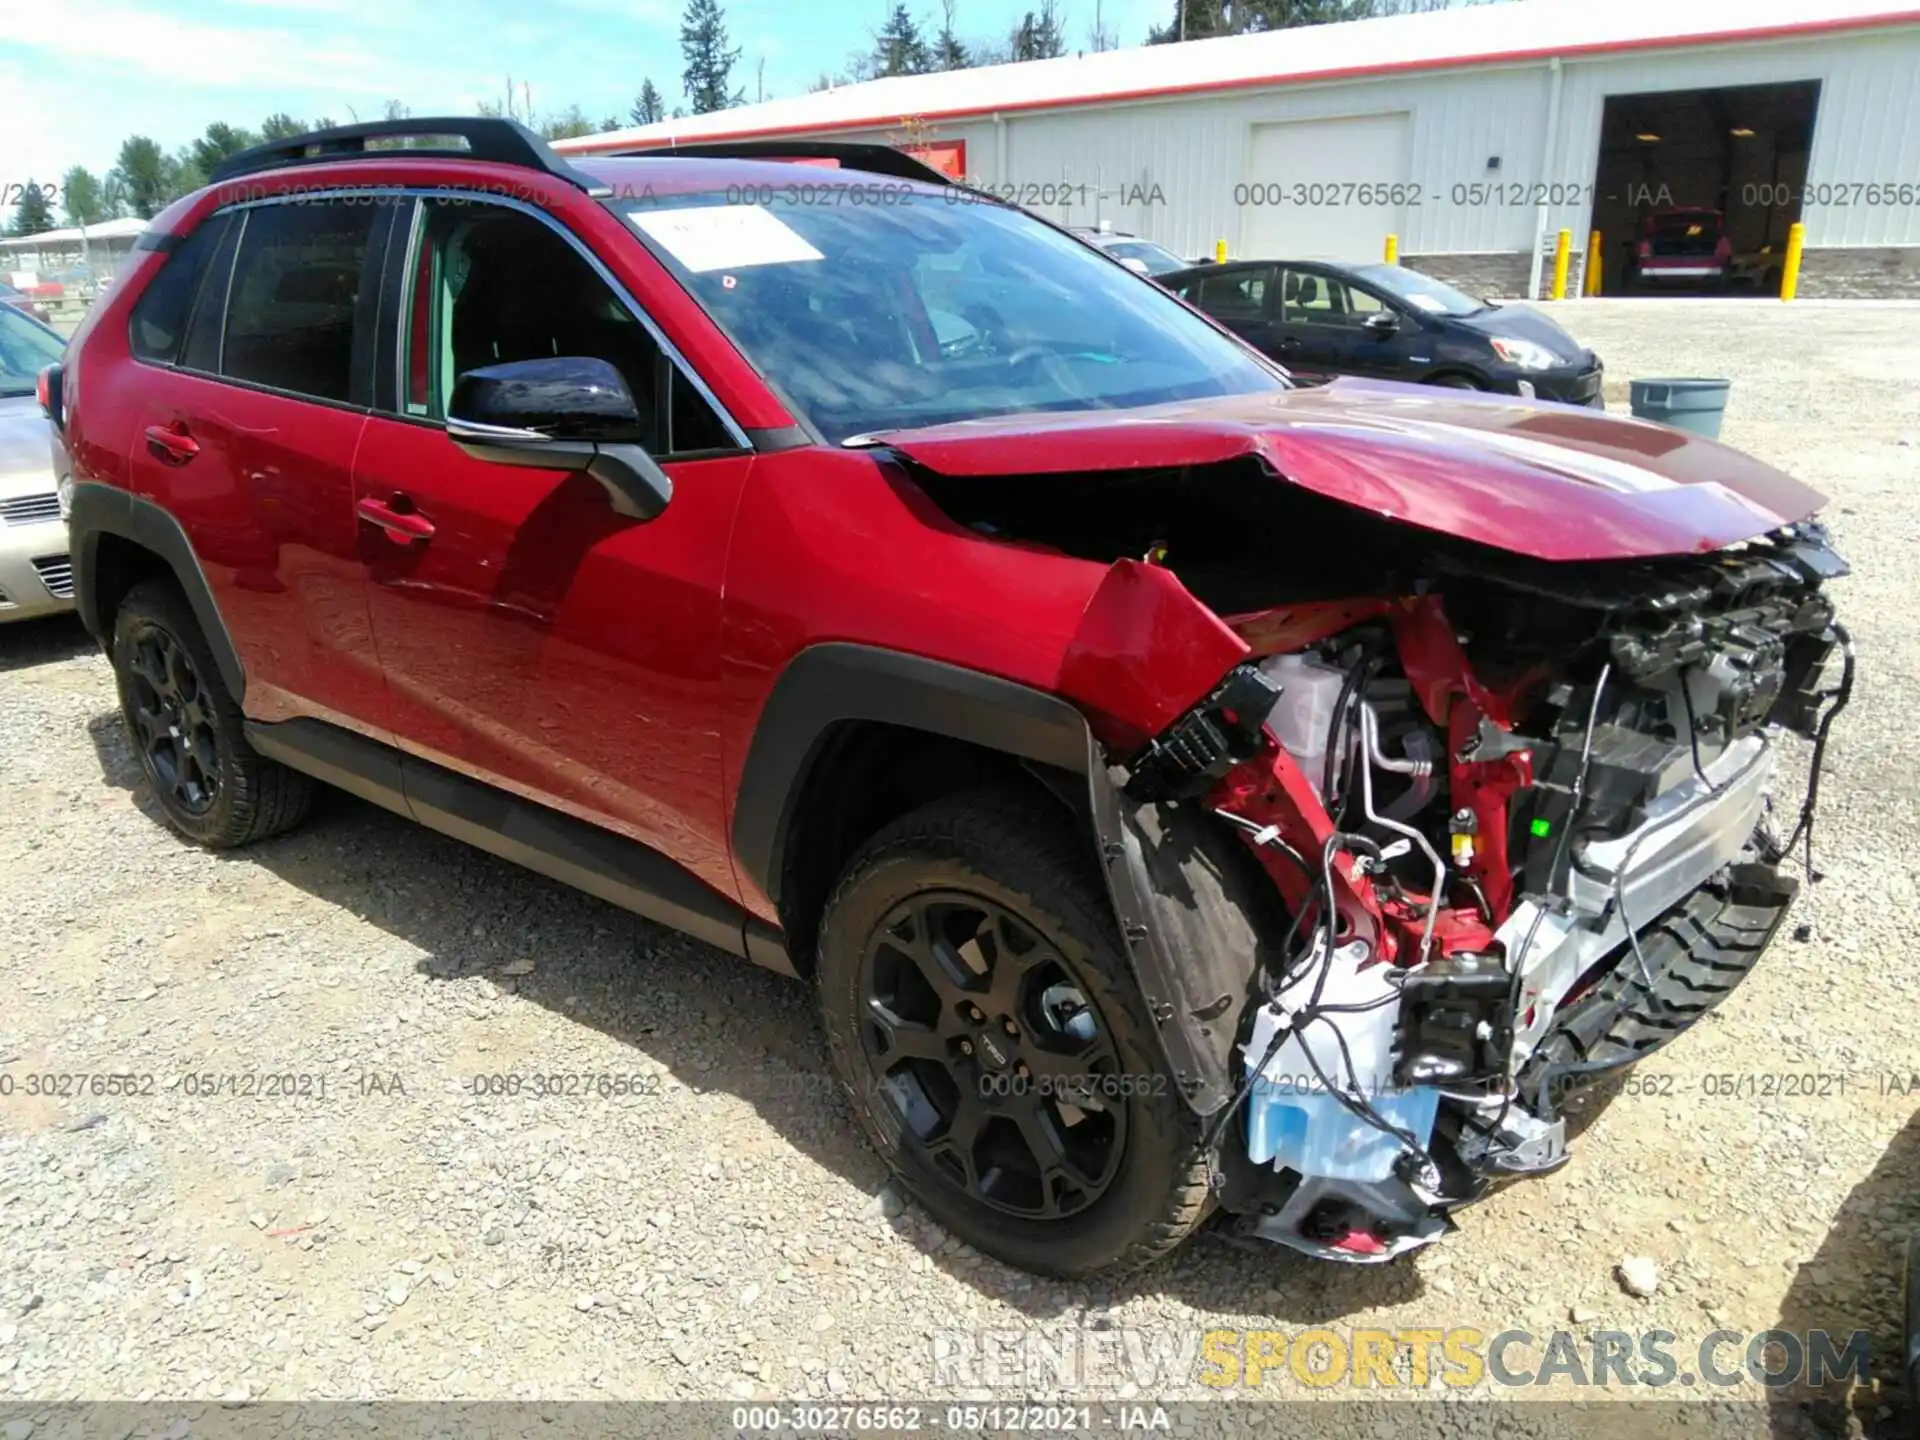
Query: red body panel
[[267, 500], [1550, 481], [1144, 653], [837, 545], [542, 643]]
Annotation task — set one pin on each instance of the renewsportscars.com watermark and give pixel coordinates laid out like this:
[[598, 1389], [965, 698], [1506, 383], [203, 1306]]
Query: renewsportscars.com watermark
[[1403, 1358]]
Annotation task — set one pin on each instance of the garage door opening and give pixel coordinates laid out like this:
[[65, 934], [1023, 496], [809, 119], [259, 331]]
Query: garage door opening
[[1696, 188]]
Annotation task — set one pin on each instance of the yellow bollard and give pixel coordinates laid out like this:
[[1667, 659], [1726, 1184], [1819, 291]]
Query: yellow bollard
[[1393, 249], [1790, 271], [1219, 252], [1561, 247], [1590, 278]]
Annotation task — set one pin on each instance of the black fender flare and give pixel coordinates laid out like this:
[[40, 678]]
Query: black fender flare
[[98, 510], [829, 684], [1201, 924], [1185, 901]]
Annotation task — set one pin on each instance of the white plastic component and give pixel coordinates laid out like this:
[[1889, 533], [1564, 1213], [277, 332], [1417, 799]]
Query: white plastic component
[[1292, 1118], [1303, 717]]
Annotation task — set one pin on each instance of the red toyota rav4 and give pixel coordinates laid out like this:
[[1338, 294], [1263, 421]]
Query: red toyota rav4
[[1190, 794]]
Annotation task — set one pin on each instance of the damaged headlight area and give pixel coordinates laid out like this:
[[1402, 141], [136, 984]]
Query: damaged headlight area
[[1518, 823]]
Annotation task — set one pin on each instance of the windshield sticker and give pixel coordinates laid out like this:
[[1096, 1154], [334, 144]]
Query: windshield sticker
[[725, 237]]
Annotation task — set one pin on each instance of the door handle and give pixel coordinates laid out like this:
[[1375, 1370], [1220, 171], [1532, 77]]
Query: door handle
[[403, 526], [1289, 342], [171, 444]]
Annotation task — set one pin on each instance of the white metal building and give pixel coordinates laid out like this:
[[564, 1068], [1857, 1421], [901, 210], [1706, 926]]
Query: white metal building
[[76, 258], [1473, 134]]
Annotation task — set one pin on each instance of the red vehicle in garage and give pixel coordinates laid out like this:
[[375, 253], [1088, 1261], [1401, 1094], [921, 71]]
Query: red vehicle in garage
[[1682, 246], [1189, 793]]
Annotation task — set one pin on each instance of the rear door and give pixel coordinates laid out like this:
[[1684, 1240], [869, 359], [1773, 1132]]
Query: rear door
[[534, 639], [255, 342], [1240, 299]]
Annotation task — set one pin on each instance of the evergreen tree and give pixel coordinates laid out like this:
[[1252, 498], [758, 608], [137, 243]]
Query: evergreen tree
[[950, 52], [1039, 35], [648, 107], [709, 72], [34, 214], [281, 127], [898, 48]]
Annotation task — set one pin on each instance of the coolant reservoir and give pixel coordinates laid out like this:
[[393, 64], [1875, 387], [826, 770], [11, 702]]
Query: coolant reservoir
[[1293, 1121], [1303, 718]]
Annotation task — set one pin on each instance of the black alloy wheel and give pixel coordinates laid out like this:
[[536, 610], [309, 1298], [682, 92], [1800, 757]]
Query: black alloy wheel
[[993, 1044], [994, 1061], [188, 732], [173, 721]]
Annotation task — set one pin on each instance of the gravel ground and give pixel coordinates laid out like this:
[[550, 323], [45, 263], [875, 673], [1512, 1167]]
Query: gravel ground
[[720, 1232]]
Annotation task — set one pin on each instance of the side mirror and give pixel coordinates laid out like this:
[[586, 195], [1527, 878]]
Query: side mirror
[[563, 413], [1381, 322], [564, 398]]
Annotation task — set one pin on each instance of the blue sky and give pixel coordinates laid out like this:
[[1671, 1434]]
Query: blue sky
[[78, 76]]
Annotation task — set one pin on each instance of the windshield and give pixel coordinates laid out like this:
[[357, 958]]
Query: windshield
[[1422, 292], [933, 307], [25, 350], [1157, 261]]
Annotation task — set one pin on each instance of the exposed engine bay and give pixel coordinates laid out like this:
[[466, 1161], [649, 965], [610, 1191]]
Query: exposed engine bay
[[1517, 815]]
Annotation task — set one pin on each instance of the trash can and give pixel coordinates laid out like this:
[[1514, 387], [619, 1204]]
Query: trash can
[[1695, 405]]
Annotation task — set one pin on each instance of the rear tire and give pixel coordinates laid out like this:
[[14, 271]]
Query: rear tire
[[1456, 382], [187, 731], [1001, 878]]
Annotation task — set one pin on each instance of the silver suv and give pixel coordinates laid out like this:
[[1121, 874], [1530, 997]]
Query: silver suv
[[36, 577]]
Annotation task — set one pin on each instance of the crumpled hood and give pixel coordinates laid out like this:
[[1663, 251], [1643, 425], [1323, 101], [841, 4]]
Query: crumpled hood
[[1554, 482]]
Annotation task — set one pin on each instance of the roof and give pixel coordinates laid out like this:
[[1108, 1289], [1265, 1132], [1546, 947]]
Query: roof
[[105, 230], [1508, 33]]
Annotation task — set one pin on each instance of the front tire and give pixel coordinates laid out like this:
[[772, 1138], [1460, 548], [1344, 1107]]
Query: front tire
[[186, 730], [986, 1028]]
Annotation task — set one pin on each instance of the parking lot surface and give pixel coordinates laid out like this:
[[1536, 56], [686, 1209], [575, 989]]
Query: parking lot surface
[[407, 1121]]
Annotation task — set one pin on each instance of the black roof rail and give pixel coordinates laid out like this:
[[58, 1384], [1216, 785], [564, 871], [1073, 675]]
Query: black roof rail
[[852, 155], [504, 142]]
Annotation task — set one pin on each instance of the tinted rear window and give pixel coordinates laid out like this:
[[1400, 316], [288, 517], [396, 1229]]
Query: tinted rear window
[[160, 317], [295, 289]]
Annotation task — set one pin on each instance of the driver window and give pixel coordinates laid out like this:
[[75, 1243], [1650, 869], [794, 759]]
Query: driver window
[[490, 285], [1310, 299]]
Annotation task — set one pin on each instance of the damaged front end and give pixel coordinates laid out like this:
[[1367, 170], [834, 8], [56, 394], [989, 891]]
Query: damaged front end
[[1511, 816], [1508, 879]]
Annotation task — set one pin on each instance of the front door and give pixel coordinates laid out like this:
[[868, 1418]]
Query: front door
[[531, 637], [1312, 342]]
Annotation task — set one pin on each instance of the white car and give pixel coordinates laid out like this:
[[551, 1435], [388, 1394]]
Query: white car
[[36, 575], [1143, 257]]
